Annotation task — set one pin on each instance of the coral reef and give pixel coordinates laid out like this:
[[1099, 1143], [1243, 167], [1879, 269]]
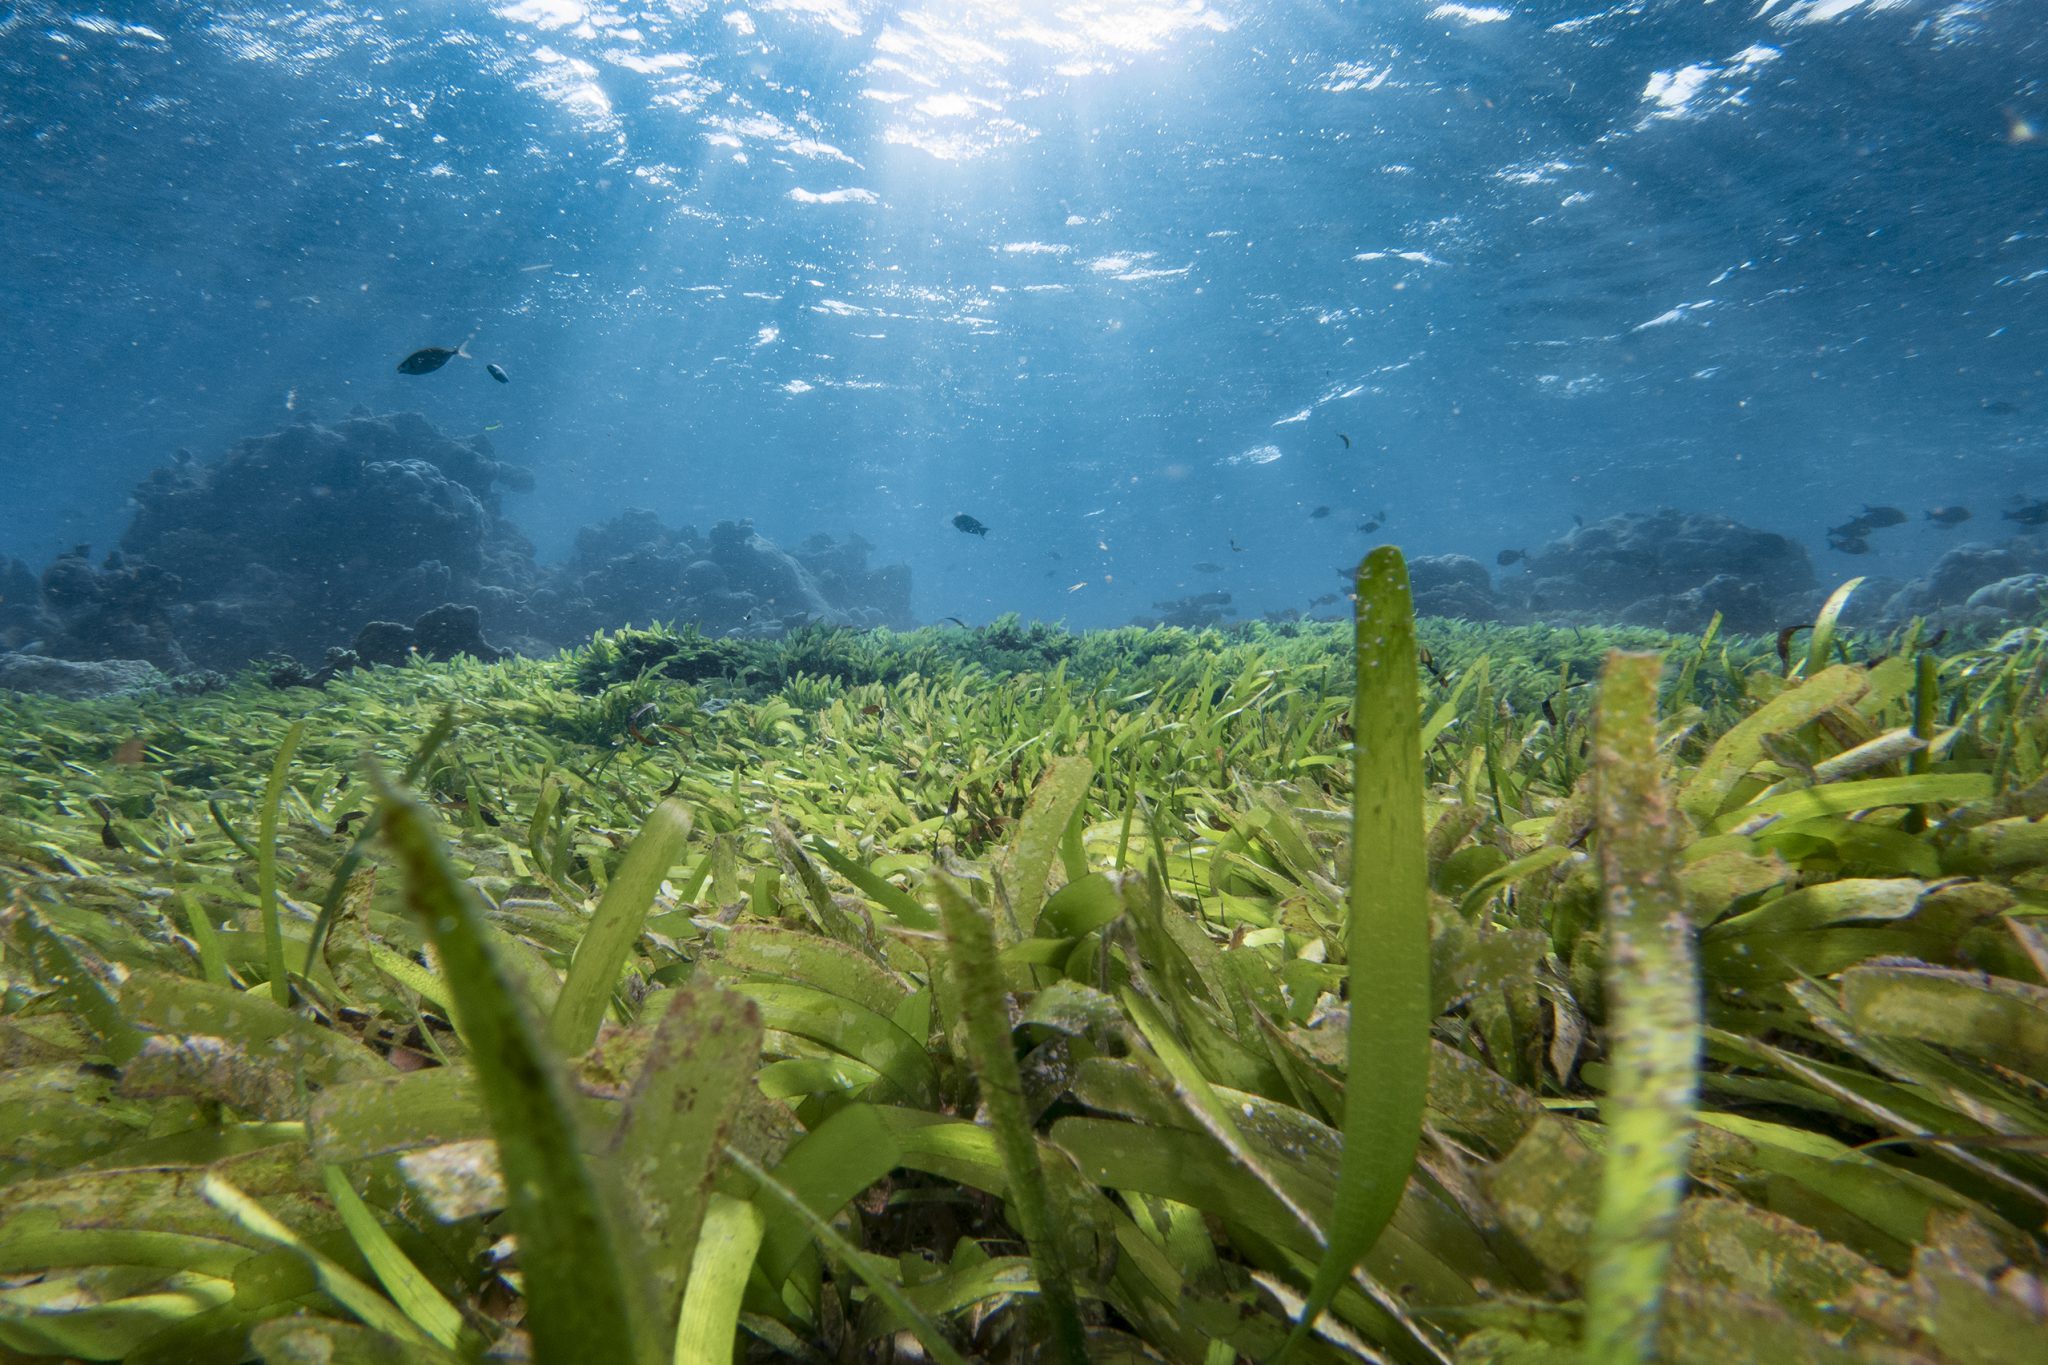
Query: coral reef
[[297, 541], [633, 568], [1668, 569]]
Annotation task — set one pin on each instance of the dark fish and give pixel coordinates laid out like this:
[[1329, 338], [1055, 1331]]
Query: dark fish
[[970, 525], [1998, 407], [1948, 516], [2033, 513], [1206, 567], [1578, 521], [1345, 439], [1851, 530], [428, 359], [497, 372], [1368, 527], [1236, 548], [1849, 545], [1319, 514], [957, 621], [1877, 517], [1507, 557], [1326, 599]]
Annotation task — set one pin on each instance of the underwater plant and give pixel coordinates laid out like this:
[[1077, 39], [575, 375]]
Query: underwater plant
[[1393, 991]]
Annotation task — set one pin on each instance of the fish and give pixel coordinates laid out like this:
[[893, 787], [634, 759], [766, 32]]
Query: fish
[[497, 372], [1207, 567], [1879, 517], [1946, 517], [1998, 407], [1326, 599], [957, 621], [1849, 545], [1345, 439], [969, 525], [1854, 529], [1368, 527], [1319, 514], [2033, 513], [1078, 586], [494, 426], [1507, 557], [1578, 521], [1236, 548], [428, 359]]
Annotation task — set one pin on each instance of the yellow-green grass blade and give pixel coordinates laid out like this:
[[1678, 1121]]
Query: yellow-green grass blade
[[1387, 937], [574, 1251], [1653, 1013], [608, 941], [413, 1292], [351, 1293], [726, 1246], [1822, 642]]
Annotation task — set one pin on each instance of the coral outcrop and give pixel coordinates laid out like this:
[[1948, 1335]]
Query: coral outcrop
[[303, 539], [634, 568], [1668, 569]]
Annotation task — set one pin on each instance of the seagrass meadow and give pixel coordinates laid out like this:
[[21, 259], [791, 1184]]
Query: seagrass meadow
[[1330, 992]]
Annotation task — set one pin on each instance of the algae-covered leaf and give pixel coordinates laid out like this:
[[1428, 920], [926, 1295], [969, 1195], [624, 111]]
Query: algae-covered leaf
[[1653, 1018], [669, 1140], [575, 1251], [1739, 750], [980, 990], [2000, 1021]]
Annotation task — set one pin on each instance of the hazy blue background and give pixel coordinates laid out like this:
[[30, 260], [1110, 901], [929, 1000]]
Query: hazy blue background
[[1107, 273]]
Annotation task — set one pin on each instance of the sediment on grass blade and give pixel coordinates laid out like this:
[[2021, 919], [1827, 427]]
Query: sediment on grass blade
[[1653, 1015], [978, 978], [576, 1254]]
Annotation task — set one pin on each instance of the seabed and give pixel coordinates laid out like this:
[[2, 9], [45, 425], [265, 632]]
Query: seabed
[[988, 994]]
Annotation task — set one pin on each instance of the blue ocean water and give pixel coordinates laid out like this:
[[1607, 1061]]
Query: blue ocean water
[[1138, 284]]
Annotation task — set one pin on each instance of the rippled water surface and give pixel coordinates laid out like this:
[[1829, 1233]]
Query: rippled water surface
[[1136, 283]]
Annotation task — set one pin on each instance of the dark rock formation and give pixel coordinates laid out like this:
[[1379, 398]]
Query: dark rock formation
[[448, 630], [1667, 569], [1452, 585]]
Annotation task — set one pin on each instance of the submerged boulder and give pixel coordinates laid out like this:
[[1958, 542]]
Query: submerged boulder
[[449, 630]]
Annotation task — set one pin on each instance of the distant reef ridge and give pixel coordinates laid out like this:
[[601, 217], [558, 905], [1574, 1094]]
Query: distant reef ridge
[[299, 541]]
